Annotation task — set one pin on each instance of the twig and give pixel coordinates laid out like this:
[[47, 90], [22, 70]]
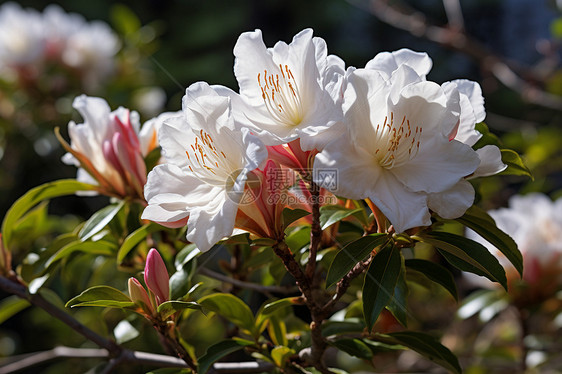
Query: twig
[[454, 14], [344, 284], [20, 290], [247, 285], [415, 23], [315, 232]]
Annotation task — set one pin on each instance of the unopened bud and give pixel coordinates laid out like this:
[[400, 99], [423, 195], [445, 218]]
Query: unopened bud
[[156, 276]]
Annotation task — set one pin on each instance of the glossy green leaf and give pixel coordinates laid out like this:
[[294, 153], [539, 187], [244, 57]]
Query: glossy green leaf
[[347, 326], [330, 214], [101, 296], [100, 247], [353, 347], [398, 302], [426, 346], [467, 255], [280, 355], [231, 308], [435, 272], [352, 254], [277, 330], [487, 138], [515, 165], [135, 238], [291, 215], [479, 221], [99, 220], [168, 308], [476, 301], [380, 282], [35, 196], [188, 253], [218, 351], [10, 306], [278, 304]]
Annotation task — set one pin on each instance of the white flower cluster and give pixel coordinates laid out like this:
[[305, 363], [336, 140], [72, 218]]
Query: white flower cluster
[[388, 133], [28, 39]]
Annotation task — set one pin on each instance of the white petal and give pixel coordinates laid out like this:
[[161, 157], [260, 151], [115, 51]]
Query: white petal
[[346, 170], [438, 166], [473, 91], [490, 161], [95, 112], [404, 209], [454, 202], [205, 228], [390, 61], [151, 128], [175, 138]]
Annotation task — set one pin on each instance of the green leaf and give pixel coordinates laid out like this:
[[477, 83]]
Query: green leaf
[[124, 20], [487, 137], [298, 238], [291, 215], [353, 347], [168, 308], [188, 253], [35, 196], [231, 308], [515, 165], [330, 214], [135, 238], [280, 355], [277, 330], [218, 351], [10, 306], [435, 272], [278, 304], [380, 282], [125, 332], [101, 296], [398, 302], [352, 254], [347, 326], [100, 247], [484, 225], [467, 255], [99, 220], [476, 301], [425, 345], [152, 158]]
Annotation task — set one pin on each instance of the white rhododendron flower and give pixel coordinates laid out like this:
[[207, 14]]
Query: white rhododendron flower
[[397, 150], [29, 38], [207, 164], [534, 222], [148, 135], [107, 149], [453, 202], [286, 91], [21, 35]]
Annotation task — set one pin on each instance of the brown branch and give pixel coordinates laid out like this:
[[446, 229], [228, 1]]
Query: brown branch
[[416, 24], [344, 284], [247, 285], [20, 290], [315, 232]]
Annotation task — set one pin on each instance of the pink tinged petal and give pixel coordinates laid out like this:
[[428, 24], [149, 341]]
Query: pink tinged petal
[[454, 202], [95, 112], [134, 169], [403, 208], [139, 295], [438, 166], [123, 122], [465, 131], [156, 276], [388, 62], [490, 161], [473, 92]]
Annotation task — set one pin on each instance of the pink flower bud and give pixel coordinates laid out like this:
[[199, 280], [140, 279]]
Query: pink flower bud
[[156, 276], [139, 295]]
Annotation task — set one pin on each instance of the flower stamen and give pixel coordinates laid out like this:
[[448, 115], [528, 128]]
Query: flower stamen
[[281, 96], [396, 145]]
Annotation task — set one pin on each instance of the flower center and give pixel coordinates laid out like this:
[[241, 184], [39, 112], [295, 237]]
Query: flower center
[[205, 160], [281, 96], [396, 145]]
